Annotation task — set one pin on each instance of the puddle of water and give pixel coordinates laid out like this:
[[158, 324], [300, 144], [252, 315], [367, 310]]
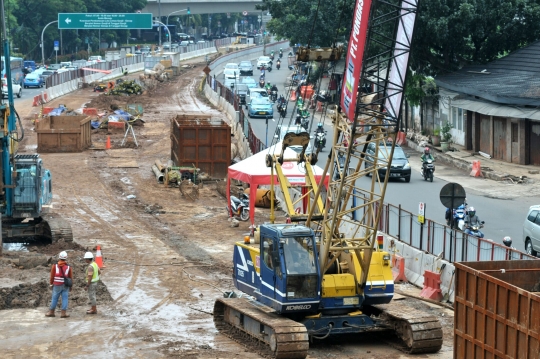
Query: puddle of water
[[14, 247]]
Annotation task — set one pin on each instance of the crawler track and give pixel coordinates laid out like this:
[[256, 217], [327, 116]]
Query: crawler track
[[58, 228], [259, 329], [419, 332]]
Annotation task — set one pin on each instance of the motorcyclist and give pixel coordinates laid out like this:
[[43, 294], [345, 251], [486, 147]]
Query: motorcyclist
[[472, 220], [425, 157], [319, 128], [280, 52], [274, 88], [278, 64]]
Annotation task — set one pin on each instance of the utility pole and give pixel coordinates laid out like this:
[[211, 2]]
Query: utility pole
[[159, 18]]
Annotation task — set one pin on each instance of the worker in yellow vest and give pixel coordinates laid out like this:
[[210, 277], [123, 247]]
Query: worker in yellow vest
[[92, 278]]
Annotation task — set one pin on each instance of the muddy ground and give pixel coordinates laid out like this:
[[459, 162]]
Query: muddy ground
[[167, 257]]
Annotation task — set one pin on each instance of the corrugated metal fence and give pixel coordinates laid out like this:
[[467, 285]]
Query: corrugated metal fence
[[63, 77], [255, 144]]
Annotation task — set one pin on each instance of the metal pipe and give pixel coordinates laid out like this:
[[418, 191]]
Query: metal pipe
[[157, 172], [159, 165]]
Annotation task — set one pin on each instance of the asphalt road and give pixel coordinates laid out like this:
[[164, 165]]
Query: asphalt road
[[503, 217]]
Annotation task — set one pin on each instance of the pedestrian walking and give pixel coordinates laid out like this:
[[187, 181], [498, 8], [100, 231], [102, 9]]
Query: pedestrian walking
[[61, 280], [92, 278]]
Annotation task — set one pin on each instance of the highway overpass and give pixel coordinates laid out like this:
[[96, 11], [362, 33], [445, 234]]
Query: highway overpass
[[165, 7]]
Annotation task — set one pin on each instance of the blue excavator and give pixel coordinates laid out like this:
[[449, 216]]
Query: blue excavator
[[26, 186]]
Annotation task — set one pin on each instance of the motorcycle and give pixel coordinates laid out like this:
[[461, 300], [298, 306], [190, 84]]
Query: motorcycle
[[302, 121], [278, 64], [269, 68], [282, 109], [262, 83], [427, 170], [341, 162], [273, 95], [458, 216], [320, 140], [280, 55], [474, 230], [240, 207]]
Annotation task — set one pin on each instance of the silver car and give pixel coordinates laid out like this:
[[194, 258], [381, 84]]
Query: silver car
[[531, 231]]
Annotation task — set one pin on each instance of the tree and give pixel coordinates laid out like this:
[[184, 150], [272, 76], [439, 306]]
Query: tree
[[293, 20], [451, 34]]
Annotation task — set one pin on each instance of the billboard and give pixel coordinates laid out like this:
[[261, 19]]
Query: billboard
[[355, 54]]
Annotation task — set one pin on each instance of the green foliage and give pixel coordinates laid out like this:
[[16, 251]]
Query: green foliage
[[293, 20], [451, 34], [446, 136], [420, 88]]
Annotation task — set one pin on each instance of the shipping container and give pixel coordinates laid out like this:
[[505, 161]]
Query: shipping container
[[63, 133], [497, 310], [201, 141]]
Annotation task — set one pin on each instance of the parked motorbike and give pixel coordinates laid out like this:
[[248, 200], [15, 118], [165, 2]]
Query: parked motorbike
[[320, 140], [474, 230], [457, 215], [240, 207], [427, 170]]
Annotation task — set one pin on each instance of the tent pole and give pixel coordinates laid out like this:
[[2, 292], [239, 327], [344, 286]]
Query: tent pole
[[272, 215]]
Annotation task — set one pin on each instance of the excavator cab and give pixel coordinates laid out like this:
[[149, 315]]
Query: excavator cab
[[290, 270], [32, 186]]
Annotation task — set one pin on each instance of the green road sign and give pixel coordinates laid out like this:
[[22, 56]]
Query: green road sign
[[104, 21]]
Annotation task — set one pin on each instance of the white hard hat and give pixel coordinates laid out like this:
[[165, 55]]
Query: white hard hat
[[62, 255], [88, 255]]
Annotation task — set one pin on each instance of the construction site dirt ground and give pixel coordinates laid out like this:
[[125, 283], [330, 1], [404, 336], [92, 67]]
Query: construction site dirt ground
[[167, 257]]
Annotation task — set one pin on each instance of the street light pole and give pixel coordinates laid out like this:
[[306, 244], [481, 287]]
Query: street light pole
[[167, 31], [43, 45], [174, 13], [159, 17]]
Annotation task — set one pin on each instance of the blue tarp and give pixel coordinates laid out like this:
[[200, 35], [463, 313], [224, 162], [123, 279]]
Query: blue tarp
[[57, 111], [123, 115]]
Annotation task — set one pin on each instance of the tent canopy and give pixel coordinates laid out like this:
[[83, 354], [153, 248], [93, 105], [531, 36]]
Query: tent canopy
[[253, 170]]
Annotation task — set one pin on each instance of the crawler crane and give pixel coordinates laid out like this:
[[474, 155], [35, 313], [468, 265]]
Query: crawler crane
[[327, 274]]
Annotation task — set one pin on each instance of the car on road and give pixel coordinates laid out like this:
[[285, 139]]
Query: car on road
[[231, 74], [15, 87], [33, 80], [246, 68], [54, 67], [531, 231], [46, 74], [249, 82], [399, 167], [257, 92], [281, 131], [242, 91], [260, 107], [263, 61], [95, 58]]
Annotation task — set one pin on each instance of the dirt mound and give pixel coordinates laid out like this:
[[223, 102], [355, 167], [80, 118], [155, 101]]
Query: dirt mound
[[30, 287]]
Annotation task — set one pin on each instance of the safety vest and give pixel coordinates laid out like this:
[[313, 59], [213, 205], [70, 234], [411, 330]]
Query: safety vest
[[60, 274], [95, 275]]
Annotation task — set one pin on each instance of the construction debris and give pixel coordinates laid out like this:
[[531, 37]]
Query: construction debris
[[126, 88]]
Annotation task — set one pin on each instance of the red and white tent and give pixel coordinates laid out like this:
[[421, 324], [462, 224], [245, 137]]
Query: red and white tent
[[253, 170]]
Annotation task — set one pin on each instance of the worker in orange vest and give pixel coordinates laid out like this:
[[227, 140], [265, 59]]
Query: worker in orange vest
[[61, 282]]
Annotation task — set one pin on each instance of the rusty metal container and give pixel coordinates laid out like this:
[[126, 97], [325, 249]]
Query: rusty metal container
[[63, 133], [497, 310], [197, 139]]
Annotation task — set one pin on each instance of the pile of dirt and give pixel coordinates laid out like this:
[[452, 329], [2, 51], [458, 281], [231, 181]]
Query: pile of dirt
[[29, 287]]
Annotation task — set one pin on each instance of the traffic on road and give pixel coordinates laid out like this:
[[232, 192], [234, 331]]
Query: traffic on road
[[406, 187]]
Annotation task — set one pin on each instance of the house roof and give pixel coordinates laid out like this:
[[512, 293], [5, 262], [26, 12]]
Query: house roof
[[512, 80]]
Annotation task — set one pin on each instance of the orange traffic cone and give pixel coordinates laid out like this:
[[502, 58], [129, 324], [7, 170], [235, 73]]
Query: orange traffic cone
[[108, 144], [293, 96], [99, 258]]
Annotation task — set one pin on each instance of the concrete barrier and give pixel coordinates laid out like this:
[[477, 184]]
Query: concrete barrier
[[432, 286], [413, 265]]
